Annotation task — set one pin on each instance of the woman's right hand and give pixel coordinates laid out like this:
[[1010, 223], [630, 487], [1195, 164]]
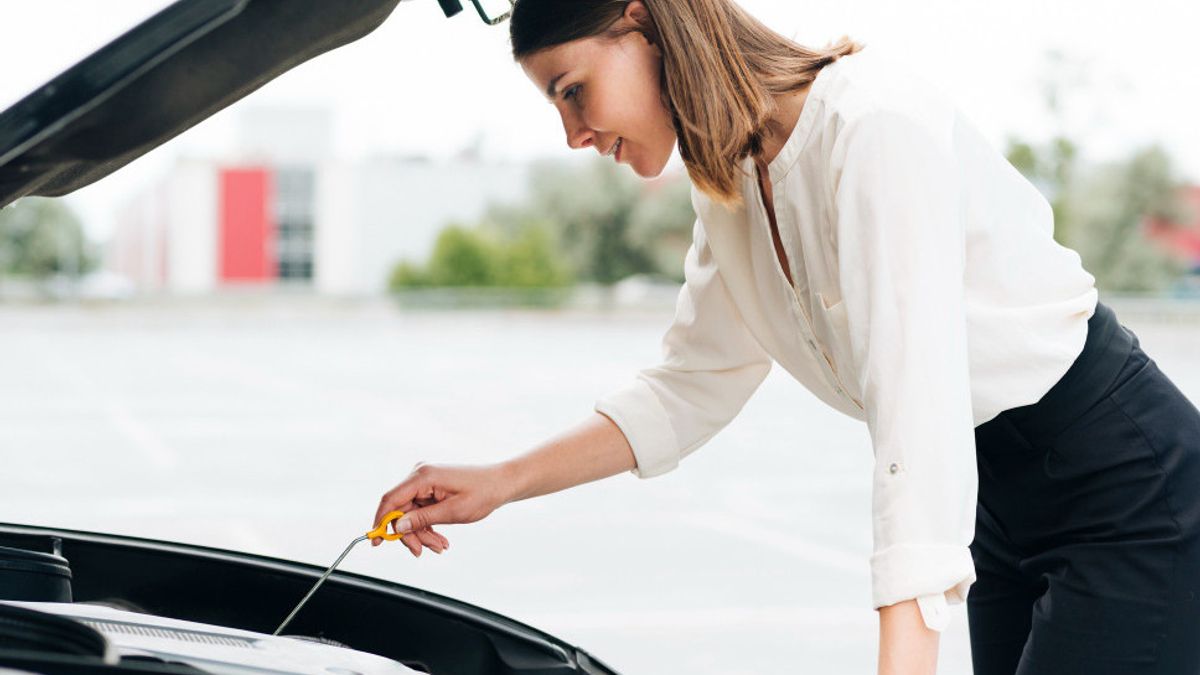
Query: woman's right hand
[[436, 494]]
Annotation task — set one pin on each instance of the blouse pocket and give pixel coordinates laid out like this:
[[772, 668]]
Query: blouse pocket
[[833, 331]]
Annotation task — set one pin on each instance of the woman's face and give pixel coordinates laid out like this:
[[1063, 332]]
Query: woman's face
[[608, 91]]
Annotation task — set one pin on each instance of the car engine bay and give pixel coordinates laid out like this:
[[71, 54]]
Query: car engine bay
[[85, 602]]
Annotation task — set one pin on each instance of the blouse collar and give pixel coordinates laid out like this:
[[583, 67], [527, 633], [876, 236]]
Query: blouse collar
[[796, 141], [778, 168]]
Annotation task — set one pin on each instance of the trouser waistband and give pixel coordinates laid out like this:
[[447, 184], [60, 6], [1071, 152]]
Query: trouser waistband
[[1105, 351]]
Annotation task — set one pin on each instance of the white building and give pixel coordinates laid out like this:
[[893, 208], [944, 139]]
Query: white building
[[284, 210]]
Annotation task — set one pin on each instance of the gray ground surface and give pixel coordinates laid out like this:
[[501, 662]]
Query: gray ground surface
[[273, 427]]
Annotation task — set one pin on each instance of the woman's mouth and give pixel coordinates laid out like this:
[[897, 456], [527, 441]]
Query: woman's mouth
[[615, 150]]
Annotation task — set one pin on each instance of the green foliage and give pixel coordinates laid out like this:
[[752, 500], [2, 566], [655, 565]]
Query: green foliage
[[1052, 169], [661, 224], [477, 257], [531, 261], [1108, 207], [462, 257], [1098, 209], [40, 237], [598, 222], [406, 274], [592, 208], [608, 222]]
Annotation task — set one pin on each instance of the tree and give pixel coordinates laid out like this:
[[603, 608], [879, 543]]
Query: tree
[[1052, 168], [461, 257], [407, 274], [661, 224], [609, 223], [1109, 205], [598, 222], [40, 237], [1098, 210], [481, 256], [591, 208], [531, 260]]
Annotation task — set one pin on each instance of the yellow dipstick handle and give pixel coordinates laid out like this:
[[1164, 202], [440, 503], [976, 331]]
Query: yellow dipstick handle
[[382, 531]]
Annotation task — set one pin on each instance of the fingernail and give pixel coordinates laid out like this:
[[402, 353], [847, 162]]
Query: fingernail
[[403, 525], [437, 551]]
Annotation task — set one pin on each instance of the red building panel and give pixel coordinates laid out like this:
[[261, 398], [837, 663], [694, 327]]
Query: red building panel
[[1181, 239], [247, 231]]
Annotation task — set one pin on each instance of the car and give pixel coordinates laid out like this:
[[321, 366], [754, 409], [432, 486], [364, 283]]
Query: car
[[90, 602]]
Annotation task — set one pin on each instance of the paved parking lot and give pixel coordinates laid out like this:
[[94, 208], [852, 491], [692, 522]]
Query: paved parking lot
[[273, 427]]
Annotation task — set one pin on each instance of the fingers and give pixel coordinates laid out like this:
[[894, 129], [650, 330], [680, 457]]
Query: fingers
[[418, 537], [445, 541], [421, 501], [398, 498], [416, 540], [413, 544], [407, 508], [430, 539], [423, 517], [402, 497]]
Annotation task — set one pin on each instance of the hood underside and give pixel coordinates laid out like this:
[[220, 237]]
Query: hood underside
[[192, 59]]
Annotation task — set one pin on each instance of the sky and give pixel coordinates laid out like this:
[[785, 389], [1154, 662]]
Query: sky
[[424, 84]]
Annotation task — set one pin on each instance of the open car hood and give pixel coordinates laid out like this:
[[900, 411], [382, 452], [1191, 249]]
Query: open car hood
[[182, 603], [185, 63]]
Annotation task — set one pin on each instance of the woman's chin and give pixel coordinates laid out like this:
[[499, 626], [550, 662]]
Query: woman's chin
[[649, 170]]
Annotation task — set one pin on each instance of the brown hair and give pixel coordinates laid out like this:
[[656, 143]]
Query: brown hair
[[721, 69]]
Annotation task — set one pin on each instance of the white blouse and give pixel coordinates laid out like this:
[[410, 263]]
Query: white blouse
[[929, 296]]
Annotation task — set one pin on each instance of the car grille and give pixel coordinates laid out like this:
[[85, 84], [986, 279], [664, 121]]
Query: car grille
[[111, 627]]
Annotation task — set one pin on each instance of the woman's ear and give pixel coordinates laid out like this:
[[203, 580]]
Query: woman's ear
[[637, 14]]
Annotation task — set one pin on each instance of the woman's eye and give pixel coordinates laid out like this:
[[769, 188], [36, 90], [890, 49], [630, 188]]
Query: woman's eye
[[571, 93]]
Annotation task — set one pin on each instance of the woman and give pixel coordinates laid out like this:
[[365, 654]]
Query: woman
[[855, 228]]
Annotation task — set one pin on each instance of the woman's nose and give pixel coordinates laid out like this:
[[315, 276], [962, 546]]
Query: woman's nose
[[579, 135]]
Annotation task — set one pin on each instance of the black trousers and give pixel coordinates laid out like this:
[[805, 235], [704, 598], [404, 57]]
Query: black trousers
[[1087, 535]]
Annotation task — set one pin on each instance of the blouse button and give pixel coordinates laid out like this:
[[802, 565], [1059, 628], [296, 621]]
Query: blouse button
[[893, 468]]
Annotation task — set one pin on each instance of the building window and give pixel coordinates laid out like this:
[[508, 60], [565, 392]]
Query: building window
[[294, 217]]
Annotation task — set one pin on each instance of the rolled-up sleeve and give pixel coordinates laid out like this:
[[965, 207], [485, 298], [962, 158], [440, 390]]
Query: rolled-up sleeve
[[711, 364], [901, 250]]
